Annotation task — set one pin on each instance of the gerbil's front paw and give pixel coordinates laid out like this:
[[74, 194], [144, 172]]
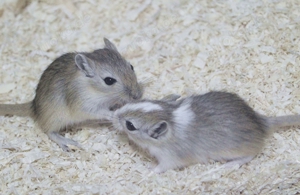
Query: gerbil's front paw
[[155, 168], [159, 169], [116, 106]]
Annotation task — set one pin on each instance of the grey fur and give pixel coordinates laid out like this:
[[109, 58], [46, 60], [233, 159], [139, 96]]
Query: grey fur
[[213, 126], [72, 90]]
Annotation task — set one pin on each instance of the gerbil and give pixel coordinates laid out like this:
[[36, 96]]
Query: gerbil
[[215, 126], [77, 87]]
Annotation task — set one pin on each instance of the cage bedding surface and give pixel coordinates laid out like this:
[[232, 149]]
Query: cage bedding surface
[[250, 47]]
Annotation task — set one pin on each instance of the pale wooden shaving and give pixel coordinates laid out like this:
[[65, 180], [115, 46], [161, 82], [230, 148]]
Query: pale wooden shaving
[[5, 88], [250, 47]]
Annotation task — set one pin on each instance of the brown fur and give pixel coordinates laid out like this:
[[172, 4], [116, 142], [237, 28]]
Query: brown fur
[[73, 89]]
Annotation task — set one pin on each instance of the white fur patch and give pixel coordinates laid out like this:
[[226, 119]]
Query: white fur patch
[[184, 115], [144, 106]]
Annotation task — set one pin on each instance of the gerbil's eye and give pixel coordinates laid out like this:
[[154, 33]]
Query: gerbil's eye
[[109, 81], [130, 126], [131, 67]]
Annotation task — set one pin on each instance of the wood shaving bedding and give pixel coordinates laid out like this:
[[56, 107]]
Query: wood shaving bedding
[[248, 47]]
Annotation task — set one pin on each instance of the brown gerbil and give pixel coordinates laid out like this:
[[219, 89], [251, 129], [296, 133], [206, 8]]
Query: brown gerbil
[[77, 87]]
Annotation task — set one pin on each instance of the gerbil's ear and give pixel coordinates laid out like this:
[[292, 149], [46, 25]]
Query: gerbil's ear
[[170, 98], [109, 45], [85, 65], [158, 131]]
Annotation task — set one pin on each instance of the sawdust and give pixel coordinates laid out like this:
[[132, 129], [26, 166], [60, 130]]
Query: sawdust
[[248, 47]]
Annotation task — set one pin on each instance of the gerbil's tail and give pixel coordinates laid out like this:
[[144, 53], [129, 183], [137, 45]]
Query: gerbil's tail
[[283, 121], [16, 109]]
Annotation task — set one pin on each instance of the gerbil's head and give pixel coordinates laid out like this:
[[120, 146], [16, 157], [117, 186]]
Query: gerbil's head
[[145, 122], [110, 74]]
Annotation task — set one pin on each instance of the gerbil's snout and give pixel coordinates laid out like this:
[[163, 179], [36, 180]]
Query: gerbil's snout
[[117, 121], [131, 95], [137, 92]]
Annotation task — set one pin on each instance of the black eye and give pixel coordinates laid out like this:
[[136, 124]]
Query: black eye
[[109, 81], [131, 67], [130, 126]]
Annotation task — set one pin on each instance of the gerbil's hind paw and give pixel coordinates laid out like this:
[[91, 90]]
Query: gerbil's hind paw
[[239, 162], [159, 169], [63, 141]]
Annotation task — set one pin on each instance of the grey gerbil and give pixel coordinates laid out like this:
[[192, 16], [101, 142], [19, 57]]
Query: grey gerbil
[[214, 126], [77, 87]]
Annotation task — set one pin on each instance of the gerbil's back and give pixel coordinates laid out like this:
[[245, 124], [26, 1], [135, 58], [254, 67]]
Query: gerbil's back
[[53, 82], [225, 121]]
